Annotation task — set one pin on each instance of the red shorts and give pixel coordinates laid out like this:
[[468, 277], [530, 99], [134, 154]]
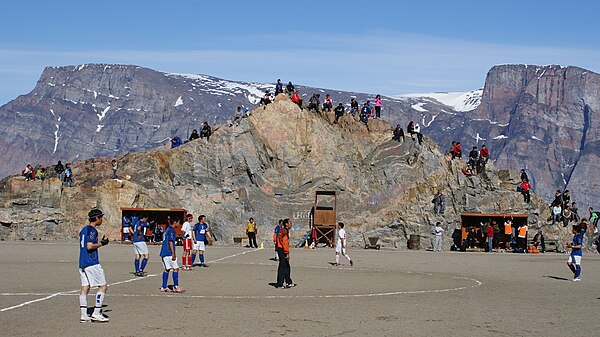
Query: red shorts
[[187, 244]]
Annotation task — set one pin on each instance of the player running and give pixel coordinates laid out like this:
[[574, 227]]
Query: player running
[[340, 246], [199, 235], [186, 228], [90, 270], [139, 245], [169, 259]]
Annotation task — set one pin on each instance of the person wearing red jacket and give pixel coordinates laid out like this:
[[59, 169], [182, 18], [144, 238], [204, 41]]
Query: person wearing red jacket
[[525, 188], [457, 150], [484, 154], [296, 99], [489, 233], [284, 279]]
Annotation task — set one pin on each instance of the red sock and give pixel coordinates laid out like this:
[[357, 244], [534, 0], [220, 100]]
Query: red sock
[[183, 260], [189, 261]]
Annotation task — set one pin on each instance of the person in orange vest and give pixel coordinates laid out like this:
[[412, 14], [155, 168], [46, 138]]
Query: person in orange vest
[[284, 279], [508, 233], [522, 237]]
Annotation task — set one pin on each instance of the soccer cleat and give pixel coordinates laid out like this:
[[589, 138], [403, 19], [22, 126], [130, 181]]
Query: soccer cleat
[[576, 279], [165, 290], [85, 318], [351, 263], [287, 286], [178, 290], [99, 318]]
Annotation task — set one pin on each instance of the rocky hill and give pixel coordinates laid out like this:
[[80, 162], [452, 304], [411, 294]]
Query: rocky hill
[[269, 167], [534, 117]]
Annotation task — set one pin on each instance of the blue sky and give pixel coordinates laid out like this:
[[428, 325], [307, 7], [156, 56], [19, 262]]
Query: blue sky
[[387, 47]]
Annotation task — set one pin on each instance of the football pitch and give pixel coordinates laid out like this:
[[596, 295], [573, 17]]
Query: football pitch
[[385, 293]]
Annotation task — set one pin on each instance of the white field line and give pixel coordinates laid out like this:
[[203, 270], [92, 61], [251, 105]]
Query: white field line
[[72, 292]]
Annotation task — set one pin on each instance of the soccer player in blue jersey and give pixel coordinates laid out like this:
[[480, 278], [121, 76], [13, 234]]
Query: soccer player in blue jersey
[[139, 245], [576, 251], [169, 259], [198, 235], [90, 270]]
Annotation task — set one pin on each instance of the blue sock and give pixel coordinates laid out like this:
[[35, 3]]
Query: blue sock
[[165, 279], [577, 270], [144, 262], [572, 268], [202, 258], [136, 263], [175, 279], [193, 258]]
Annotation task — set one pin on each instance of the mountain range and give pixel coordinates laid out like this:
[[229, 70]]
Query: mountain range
[[535, 117]]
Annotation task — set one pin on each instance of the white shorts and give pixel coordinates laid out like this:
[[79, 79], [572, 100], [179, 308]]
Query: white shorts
[[92, 276], [574, 259], [140, 248], [199, 245], [126, 230], [169, 264], [339, 249]]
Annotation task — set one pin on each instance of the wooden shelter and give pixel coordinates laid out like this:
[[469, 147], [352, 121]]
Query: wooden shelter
[[156, 217], [473, 221]]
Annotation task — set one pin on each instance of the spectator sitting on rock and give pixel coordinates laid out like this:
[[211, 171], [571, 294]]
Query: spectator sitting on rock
[[297, 99], [194, 135], [313, 102], [353, 107], [206, 131], [237, 115], [278, 87], [410, 128], [418, 133], [28, 173], [457, 151], [364, 114], [175, 142], [484, 154], [371, 110], [538, 240], [289, 89], [339, 112], [468, 170], [439, 203], [398, 133], [328, 105], [266, 98], [566, 216], [574, 210], [473, 156], [556, 214], [40, 173]]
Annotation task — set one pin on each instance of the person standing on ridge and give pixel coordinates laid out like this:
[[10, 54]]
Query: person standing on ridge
[[90, 270], [525, 188], [59, 169], [484, 155], [378, 106]]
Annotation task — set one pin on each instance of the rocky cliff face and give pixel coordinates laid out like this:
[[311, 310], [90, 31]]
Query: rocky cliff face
[[540, 118], [545, 122], [269, 167]]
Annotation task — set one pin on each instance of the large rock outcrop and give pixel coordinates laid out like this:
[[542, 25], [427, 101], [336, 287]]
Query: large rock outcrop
[[269, 167]]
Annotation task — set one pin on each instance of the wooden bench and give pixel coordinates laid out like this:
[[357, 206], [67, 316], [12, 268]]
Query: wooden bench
[[241, 240]]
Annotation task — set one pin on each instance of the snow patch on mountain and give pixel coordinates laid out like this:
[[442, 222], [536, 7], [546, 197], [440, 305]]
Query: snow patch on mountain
[[458, 100]]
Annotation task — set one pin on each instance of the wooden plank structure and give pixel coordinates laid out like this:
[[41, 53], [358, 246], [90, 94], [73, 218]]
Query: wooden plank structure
[[324, 217], [474, 220]]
